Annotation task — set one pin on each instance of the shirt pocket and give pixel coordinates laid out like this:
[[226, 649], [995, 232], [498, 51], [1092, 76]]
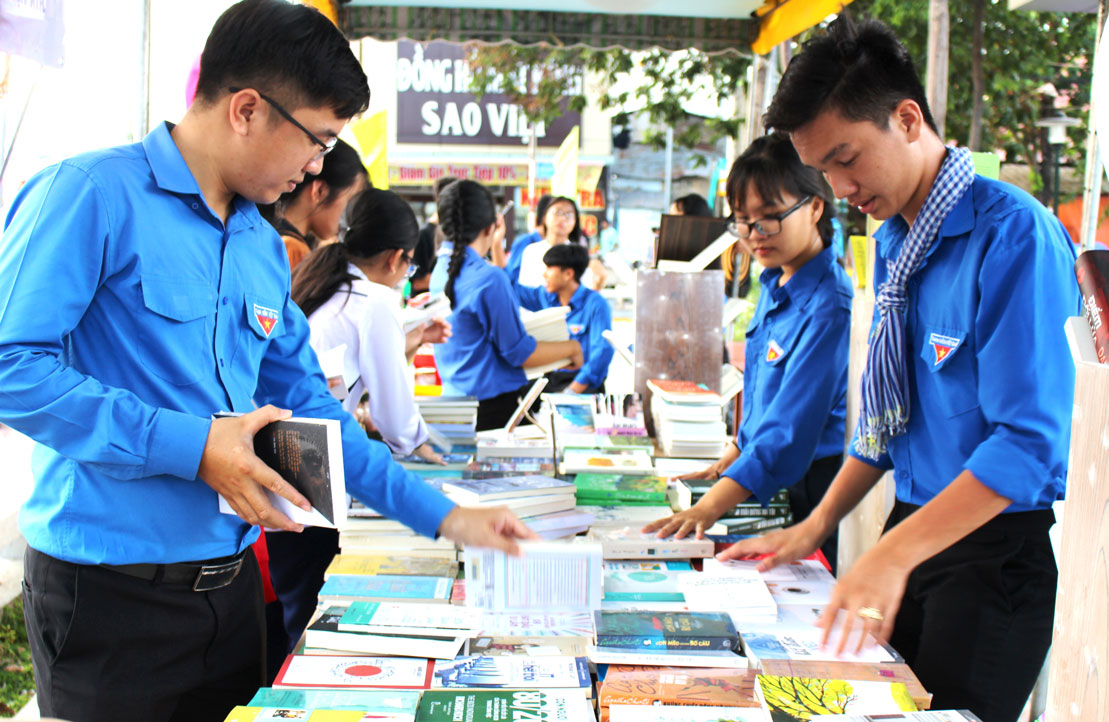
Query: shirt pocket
[[263, 319], [952, 381], [177, 334]]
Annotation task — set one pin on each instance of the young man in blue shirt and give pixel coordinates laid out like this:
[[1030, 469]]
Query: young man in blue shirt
[[968, 386], [589, 316], [142, 293]]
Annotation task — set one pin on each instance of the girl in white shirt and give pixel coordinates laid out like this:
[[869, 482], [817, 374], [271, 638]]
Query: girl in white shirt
[[348, 290], [560, 224]]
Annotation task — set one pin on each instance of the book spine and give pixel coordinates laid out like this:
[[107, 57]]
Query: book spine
[[700, 642], [1094, 288]]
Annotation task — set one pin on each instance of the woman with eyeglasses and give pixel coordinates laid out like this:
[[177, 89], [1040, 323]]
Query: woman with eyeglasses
[[560, 223], [348, 290], [310, 212], [489, 349], [795, 374]]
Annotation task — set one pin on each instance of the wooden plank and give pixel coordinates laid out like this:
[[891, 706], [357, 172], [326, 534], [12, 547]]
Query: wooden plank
[[1078, 688]]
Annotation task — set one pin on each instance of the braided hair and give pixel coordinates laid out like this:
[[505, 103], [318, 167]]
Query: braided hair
[[465, 210]]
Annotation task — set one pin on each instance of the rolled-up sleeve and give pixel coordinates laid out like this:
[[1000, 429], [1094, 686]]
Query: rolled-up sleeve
[[1027, 290]]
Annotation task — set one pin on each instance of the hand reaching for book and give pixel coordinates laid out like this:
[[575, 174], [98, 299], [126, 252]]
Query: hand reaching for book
[[783, 545], [231, 468], [486, 528], [437, 330], [426, 452], [694, 520]]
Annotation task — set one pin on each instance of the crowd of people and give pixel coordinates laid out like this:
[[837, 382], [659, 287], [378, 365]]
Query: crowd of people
[[169, 297]]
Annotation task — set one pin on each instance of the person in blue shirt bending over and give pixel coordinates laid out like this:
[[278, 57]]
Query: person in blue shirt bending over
[[967, 390], [489, 349], [795, 373], [589, 316], [143, 293]]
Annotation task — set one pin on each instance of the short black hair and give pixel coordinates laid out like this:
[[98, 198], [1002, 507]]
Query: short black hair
[[287, 50], [568, 255], [694, 205], [858, 69], [771, 166]]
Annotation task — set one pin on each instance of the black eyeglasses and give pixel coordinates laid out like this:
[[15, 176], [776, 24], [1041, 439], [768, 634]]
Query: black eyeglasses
[[325, 148], [766, 226]]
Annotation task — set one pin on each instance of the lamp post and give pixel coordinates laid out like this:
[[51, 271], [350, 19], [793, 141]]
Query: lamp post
[[1056, 122]]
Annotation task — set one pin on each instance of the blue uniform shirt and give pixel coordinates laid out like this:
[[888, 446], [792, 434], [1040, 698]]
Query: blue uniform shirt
[[516, 255], [589, 317], [130, 314], [991, 380], [795, 376], [484, 356]]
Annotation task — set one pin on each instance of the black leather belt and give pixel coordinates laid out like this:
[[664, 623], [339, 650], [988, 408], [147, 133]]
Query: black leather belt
[[201, 576]]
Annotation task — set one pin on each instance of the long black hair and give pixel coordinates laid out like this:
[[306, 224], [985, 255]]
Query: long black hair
[[771, 166], [380, 221], [541, 220], [694, 205], [465, 210], [341, 169]]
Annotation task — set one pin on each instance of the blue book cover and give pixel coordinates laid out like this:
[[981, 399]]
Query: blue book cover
[[643, 585], [369, 701], [386, 586]]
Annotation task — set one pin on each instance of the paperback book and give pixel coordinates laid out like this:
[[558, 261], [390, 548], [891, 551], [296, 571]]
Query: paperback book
[[642, 585], [615, 489], [307, 453], [354, 672], [399, 566], [385, 587], [866, 672], [480, 491], [665, 630], [631, 543], [528, 646], [667, 657], [390, 705], [963, 715], [261, 714], [536, 624], [443, 705], [1092, 272], [630, 713], [434, 620], [512, 672], [625, 684], [626, 461], [790, 699], [325, 633], [549, 575]]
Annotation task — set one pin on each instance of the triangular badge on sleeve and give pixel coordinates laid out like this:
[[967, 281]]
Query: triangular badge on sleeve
[[267, 318], [773, 352], [943, 345]]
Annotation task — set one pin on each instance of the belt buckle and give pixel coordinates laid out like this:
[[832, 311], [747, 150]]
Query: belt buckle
[[210, 576]]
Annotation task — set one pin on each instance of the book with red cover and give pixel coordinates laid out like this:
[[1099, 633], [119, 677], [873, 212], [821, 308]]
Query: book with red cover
[[679, 391], [1092, 271]]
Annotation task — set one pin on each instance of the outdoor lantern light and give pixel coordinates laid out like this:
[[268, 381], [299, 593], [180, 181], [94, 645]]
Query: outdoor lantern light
[[1056, 122]]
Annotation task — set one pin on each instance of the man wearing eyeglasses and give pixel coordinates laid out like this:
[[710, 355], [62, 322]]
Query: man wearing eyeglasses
[[142, 292]]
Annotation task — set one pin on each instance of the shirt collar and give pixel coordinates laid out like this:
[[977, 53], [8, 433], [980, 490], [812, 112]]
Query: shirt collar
[[356, 272], [804, 282], [577, 299], [958, 222], [170, 170]]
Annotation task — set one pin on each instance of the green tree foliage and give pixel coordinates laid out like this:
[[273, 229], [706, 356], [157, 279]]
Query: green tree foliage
[[540, 79], [1022, 51]]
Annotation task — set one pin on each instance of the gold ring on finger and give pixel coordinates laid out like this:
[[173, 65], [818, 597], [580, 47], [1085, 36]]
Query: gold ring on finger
[[871, 613]]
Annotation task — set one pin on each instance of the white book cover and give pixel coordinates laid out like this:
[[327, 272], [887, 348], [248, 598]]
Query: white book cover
[[745, 594], [584, 461], [631, 543], [548, 575], [803, 641], [512, 672], [667, 658], [669, 466], [803, 582], [345, 671], [626, 516], [536, 624], [674, 713]]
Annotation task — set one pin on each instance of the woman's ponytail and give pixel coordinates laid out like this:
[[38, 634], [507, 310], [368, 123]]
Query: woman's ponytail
[[465, 210]]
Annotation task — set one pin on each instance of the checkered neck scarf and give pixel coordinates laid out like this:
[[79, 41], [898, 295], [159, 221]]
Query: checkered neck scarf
[[884, 410]]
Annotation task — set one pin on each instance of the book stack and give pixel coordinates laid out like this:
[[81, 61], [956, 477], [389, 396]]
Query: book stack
[[385, 541], [437, 631], [529, 497], [749, 517], [688, 418], [632, 543], [452, 417]]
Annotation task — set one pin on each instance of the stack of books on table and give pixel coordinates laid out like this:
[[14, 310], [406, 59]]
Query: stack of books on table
[[546, 325], [666, 638], [453, 417], [533, 498], [749, 517], [688, 417]]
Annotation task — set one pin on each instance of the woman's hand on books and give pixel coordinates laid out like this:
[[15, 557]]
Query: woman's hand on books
[[716, 469], [694, 520], [426, 452], [781, 546], [869, 596], [486, 528], [229, 465]]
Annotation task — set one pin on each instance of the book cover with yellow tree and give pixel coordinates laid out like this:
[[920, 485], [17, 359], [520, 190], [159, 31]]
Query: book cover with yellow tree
[[797, 699]]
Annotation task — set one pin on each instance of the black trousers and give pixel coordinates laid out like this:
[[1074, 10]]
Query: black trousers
[[975, 624], [111, 647], [807, 493], [297, 564]]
